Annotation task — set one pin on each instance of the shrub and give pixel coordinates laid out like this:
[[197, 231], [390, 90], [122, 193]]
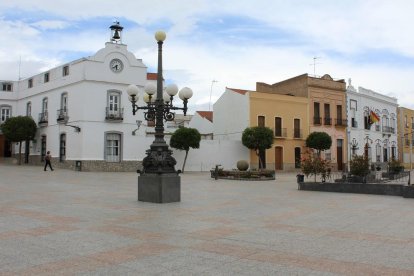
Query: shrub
[[315, 166], [359, 165], [395, 166]]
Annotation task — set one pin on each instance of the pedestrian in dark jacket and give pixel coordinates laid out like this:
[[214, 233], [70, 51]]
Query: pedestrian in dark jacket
[[48, 158]]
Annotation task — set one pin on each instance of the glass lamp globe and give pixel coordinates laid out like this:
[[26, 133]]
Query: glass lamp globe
[[150, 88], [160, 35], [185, 93], [132, 90], [172, 89]]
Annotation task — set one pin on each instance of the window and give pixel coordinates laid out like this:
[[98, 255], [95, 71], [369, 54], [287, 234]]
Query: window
[[64, 101], [62, 147], [261, 121], [316, 114], [327, 118], [405, 121], [278, 127], [296, 128], [29, 109], [367, 120], [328, 155], [65, 70], [113, 147], [44, 105], [7, 87], [339, 113], [30, 83], [46, 77], [5, 113], [353, 104], [385, 154], [43, 117], [297, 158], [393, 152]]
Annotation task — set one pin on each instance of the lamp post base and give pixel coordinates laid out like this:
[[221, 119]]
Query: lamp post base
[[159, 188]]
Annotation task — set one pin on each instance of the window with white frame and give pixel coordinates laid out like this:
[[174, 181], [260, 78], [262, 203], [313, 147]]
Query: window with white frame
[[112, 147], [29, 109], [7, 86], [64, 101], [5, 113], [65, 70], [114, 104]]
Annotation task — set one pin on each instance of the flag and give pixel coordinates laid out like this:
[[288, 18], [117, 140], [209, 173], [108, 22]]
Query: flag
[[374, 117]]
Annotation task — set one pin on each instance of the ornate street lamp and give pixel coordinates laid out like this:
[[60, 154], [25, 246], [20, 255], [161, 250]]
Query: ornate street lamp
[[159, 182]]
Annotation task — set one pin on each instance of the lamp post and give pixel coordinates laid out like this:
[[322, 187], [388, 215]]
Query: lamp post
[[159, 182]]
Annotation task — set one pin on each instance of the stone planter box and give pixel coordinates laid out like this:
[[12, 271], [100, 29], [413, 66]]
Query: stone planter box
[[244, 175]]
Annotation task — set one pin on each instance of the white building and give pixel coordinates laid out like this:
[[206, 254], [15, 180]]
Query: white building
[[377, 140], [231, 114], [203, 122], [82, 110]]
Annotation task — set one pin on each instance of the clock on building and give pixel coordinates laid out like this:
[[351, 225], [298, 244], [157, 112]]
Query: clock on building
[[116, 65]]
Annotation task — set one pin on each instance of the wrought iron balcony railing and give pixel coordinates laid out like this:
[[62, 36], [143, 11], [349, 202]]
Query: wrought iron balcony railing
[[280, 133], [387, 129], [297, 133], [317, 120], [114, 115], [341, 122], [62, 115], [43, 118], [327, 121]]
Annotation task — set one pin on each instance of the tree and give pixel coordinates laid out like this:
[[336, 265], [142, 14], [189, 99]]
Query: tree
[[258, 139], [319, 141], [19, 129], [185, 138]]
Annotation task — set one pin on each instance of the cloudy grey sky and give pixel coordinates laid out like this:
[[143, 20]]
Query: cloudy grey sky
[[236, 42]]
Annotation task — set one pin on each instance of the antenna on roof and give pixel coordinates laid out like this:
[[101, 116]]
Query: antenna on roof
[[211, 91], [314, 65], [20, 65]]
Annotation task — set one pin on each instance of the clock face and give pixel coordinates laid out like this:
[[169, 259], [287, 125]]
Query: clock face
[[116, 65]]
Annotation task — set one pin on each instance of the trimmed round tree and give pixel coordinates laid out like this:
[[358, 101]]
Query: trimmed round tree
[[258, 139], [19, 129], [185, 138], [319, 141]]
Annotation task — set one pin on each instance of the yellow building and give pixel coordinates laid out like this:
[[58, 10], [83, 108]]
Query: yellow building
[[287, 116], [406, 136], [325, 110]]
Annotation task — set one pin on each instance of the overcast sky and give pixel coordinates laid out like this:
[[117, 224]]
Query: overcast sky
[[236, 42]]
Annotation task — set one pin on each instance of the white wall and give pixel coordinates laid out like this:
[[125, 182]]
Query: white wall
[[200, 123], [231, 115]]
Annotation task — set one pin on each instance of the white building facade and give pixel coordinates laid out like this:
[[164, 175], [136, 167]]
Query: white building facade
[[372, 125], [82, 110]]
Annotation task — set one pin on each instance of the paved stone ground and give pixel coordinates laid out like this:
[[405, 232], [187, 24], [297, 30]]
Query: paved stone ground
[[79, 223]]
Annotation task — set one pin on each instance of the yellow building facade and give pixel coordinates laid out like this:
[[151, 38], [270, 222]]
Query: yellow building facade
[[405, 136], [325, 110], [287, 116]]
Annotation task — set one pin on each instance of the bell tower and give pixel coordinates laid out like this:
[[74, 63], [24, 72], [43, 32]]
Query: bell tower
[[116, 33]]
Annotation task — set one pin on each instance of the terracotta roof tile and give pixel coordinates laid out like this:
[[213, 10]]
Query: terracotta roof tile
[[206, 114], [152, 76], [240, 91]]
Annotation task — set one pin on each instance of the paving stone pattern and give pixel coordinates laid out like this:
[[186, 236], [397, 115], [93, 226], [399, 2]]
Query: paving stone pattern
[[90, 223]]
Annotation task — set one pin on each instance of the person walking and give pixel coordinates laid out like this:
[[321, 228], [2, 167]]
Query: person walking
[[48, 158]]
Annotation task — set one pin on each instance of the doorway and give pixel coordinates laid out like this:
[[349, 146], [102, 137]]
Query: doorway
[[278, 158], [339, 154]]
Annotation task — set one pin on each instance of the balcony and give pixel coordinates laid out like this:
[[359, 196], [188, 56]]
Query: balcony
[[62, 116], [341, 122], [327, 121], [280, 133], [387, 129], [43, 119], [317, 120], [114, 115], [297, 133]]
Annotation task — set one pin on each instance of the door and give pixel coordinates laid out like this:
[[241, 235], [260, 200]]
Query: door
[[297, 158], [339, 154], [278, 158], [26, 151], [62, 147], [113, 104]]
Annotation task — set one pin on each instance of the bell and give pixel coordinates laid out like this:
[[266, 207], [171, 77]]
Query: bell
[[116, 35]]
